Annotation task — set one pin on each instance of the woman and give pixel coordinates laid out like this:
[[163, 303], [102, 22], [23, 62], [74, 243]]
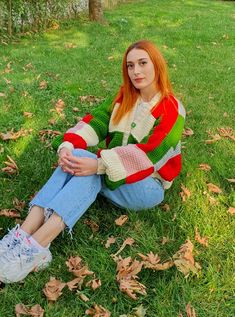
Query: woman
[[142, 128]]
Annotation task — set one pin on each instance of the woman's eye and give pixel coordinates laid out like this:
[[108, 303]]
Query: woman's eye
[[129, 66], [143, 63]]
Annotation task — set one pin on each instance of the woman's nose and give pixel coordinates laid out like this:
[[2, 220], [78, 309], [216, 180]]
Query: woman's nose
[[136, 69]]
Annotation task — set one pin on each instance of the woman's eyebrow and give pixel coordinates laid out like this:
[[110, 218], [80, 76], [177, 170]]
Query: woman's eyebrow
[[139, 60]]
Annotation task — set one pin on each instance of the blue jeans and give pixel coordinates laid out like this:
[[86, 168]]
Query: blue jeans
[[70, 196]]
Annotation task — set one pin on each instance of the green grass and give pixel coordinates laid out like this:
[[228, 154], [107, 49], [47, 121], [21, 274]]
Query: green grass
[[196, 39]]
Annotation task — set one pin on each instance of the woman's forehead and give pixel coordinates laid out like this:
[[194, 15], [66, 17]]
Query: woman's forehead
[[136, 54]]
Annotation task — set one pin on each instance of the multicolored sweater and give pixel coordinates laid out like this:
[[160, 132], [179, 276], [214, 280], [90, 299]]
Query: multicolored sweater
[[145, 142]]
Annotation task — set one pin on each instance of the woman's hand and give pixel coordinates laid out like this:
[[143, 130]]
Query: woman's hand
[[78, 166]]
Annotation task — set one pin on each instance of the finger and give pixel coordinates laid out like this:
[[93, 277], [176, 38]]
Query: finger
[[70, 164]]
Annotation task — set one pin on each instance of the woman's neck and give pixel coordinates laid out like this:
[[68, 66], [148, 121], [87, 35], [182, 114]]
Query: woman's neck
[[148, 95]]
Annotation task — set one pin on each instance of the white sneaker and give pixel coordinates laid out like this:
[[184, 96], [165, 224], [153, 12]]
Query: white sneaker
[[19, 261], [11, 239]]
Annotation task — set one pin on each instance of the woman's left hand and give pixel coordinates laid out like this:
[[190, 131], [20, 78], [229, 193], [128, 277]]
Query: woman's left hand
[[80, 166]]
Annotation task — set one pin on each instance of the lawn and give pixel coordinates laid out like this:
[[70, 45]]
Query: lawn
[[84, 59]]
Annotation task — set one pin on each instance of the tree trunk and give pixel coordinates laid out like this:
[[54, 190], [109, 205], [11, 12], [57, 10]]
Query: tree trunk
[[95, 10], [9, 22]]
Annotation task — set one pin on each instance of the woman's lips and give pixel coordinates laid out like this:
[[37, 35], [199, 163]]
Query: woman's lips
[[138, 80]]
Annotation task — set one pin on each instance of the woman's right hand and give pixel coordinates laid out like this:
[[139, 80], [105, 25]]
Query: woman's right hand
[[64, 154]]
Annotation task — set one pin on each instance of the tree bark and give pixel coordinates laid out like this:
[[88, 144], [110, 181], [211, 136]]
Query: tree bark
[[95, 10], [9, 22]]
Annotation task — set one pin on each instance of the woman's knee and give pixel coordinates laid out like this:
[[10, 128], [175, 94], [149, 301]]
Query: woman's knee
[[83, 153]]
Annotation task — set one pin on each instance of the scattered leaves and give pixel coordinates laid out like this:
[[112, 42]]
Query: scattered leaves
[[94, 284], [75, 283], [10, 135], [226, 133], [10, 213], [35, 311], [90, 99], [59, 106], [201, 240], [185, 193], [184, 259], [43, 85], [128, 241], [188, 132], [98, 311], [204, 167], [53, 288], [92, 224], [214, 188], [18, 204], [214, 138], [152, 261], [27, 114], [76, 267], [231, 210], [121, 220], [132, 287], [47, 135], [110, 241], [11, 166]]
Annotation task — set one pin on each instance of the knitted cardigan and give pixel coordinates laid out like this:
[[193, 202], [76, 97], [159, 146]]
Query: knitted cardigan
[[145, 142]]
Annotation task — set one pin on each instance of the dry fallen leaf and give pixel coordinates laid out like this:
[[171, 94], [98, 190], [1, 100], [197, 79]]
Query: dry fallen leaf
[[92, 224], [10, 135], [204, 167], [214, 188], [128, 241], [185, 193], [27, 114], [94, 284], [201, 240], [188, 132], [11, 166], [121, 220], [76, 267], [98, 311], [211, 199], [18, 204], [152, 261], [190, 312], [226, 133], [83, 297], [128, 268], [75, 283], [59, 106], [184, 259], [231, 210], [165, 240], [2, 94], [215, 138], [110, 241], [90, 99], [43, 85], [132, 287], [231, 180], [53, 288], [166, 207], [35, 311]]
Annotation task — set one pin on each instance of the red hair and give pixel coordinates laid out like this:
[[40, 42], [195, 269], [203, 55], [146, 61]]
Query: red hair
[[128, 94]]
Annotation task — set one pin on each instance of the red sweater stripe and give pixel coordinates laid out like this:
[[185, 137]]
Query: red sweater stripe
[[171, 169], [76, 140], [87, 118], [169, 106], [139, 175]]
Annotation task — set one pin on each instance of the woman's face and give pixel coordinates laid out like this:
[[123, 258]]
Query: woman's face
[[141, 70]]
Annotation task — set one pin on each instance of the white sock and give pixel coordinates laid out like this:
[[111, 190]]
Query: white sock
[[23, 233]]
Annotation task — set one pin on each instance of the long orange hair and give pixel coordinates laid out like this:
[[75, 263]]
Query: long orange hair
[[128, 94]]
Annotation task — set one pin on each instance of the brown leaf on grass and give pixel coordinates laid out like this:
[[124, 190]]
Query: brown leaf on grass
[[201, 240], [47, 135], [110, 241], [11, 166], [90, 99], [94, 284], [231, 210], [83, 297], [10, 135], [132, 287], [70, 45], [18, 204], [53, 288], [121, 220], [59, 106], [7, 81], [231, 180], [128, 268], [98, 311], [92, 224], [166, 207], [212, 200], [75, 109], [165, 240], [214, 188], [2, 94], [76, 267], [35, 311], [190, 311], [8, 68], [27, 114], [185, 193], [188, 132], [204, 167], [214, 138], [180, 314], [152, 261], [226, 133], [184, 260], [128, 241], [75, 283], [43, 85], [139, 311]]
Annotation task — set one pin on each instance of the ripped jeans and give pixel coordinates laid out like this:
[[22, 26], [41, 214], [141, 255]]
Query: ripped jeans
[[70, 196]]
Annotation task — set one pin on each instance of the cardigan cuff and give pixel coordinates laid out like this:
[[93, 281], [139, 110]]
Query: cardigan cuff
[[101, 167], [66, 145]]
